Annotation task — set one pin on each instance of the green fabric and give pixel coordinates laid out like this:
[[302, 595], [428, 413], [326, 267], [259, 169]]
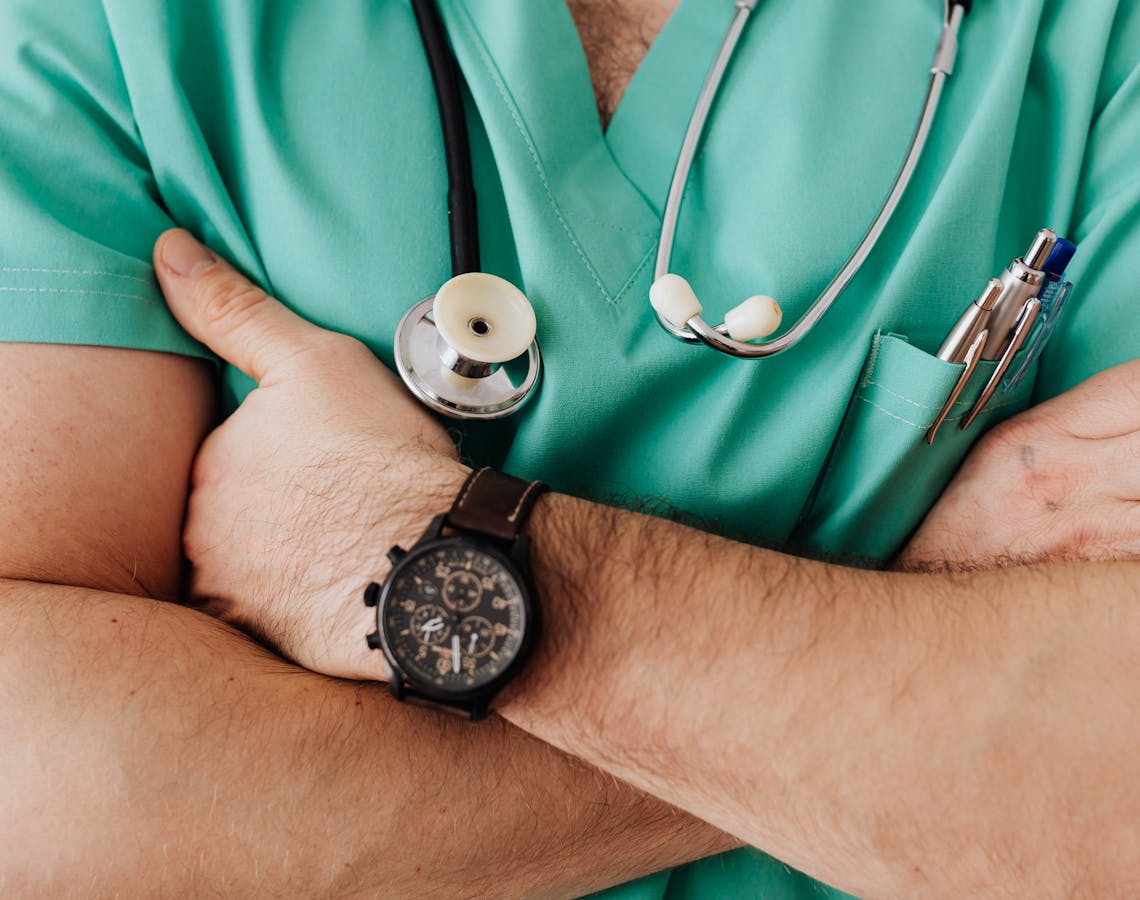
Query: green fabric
[[881, 454], [301, 140]]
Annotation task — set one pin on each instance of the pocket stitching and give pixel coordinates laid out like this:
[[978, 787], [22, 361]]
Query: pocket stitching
[[990, 407], [886, 390]]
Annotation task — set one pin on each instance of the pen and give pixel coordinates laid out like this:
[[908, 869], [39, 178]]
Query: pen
[[1055, 267], [1053, 297], [1022, 280], [964, 344], [971, 323]]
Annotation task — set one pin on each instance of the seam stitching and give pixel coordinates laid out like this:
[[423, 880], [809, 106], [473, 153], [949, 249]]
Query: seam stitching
[[150, 301], [886, 390], [518, 506], [641, 266], [924, 427], [75, 272], [637, 232], [470, 484], [501, 87]]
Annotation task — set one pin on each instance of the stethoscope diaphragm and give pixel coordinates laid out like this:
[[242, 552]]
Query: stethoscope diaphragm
[[469, 351]]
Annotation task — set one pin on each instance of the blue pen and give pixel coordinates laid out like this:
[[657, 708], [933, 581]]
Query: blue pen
[[1055, 267], [1054, 294]]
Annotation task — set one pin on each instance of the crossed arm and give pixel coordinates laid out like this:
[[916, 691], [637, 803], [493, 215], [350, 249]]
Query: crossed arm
[[208, 762], [151, 750]]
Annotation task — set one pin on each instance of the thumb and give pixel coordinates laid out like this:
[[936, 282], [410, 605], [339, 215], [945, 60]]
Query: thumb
[[224, 310]]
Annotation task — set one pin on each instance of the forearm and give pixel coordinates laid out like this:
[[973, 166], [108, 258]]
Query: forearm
[[150, 750], [896, 735]]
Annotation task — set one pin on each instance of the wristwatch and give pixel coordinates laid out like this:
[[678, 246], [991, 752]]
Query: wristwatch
[[457, 617]]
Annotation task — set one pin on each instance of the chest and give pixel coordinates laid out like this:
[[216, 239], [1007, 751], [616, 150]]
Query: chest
[[616, 35], [352, 230]]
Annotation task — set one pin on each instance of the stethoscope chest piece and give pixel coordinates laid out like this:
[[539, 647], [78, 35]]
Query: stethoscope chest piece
[[469, 352]]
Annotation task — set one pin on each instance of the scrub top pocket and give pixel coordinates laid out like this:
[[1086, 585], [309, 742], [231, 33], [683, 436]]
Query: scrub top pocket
[[882, 476]]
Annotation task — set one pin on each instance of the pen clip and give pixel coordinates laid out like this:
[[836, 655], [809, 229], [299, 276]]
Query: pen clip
[[973, 355], [1021, 329], [1053, 300]]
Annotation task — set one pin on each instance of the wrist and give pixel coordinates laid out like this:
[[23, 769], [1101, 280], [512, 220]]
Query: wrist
[[397, 513], [576, 574]]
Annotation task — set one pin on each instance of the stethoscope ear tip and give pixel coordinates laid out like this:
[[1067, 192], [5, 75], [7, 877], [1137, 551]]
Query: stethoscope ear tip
[[672, 297], [757, 317], [675, 301]]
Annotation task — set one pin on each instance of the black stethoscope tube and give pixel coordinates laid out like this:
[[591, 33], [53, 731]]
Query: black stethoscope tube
[[462, 218]]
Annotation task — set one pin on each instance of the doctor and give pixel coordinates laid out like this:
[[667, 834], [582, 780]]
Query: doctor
[[890, 734]]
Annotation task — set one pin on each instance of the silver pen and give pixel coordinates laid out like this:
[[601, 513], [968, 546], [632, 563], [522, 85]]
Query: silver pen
[[970, 324], [1021, 281]]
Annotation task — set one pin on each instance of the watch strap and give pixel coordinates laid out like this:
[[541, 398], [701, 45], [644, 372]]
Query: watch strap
[[474, 710], [494, 504]]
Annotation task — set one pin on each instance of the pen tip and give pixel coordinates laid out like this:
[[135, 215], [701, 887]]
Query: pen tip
[[1042, 246]]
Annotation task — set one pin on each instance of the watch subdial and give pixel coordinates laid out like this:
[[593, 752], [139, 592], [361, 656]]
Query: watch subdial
[[431, 624], [476, 636], [462, 590]]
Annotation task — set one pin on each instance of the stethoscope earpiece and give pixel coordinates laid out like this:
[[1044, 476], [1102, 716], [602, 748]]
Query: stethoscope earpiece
[[451, 348], [673, 300], [677, 308]]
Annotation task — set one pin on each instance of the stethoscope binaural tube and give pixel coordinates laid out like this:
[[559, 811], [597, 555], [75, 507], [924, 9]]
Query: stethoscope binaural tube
[[674, 303]]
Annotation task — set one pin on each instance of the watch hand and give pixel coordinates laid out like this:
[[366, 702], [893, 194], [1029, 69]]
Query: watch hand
[[474, 639], [455, 653]]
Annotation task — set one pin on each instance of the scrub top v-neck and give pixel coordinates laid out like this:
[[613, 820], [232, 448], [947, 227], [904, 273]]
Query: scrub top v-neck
[[303, 144]]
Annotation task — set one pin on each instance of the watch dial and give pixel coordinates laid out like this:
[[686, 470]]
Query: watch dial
[[454, 617]]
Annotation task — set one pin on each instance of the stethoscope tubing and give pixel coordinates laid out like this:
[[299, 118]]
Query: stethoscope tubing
[[696, 329], [462, 217]]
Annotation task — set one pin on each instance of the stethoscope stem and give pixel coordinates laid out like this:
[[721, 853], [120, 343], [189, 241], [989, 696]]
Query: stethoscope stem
[[696, 329]]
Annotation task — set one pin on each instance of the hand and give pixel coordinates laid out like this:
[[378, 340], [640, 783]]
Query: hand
[[1059, 482], [297, 496]]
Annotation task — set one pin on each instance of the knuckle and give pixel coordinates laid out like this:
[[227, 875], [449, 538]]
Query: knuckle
[[192, 543], [201, 470], [230, 303], [1008, 440], [333, 350]]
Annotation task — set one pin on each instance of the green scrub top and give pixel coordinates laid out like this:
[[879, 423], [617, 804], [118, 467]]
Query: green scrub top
[[301, 141]]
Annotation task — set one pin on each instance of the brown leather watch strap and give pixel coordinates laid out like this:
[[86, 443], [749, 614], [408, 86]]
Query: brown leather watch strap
[[494, 504]]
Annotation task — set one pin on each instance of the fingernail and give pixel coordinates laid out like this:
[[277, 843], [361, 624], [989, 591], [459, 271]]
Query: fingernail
[[185, 256]]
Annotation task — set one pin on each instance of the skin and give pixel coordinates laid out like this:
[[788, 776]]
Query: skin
[[151, 750], [907, 735], [155, 708], [1059, 482], [615, 36]]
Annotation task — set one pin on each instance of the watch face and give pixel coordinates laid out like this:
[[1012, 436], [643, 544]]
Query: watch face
[[454, 616]]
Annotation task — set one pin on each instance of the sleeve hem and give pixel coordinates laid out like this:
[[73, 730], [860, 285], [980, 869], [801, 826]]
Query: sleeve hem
[[67, 306]]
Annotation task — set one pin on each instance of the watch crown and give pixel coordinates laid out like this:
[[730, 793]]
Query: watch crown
[[396, 554], [373, 640], [372, 594]]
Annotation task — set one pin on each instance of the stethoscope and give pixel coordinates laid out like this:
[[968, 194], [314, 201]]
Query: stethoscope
[[469, 351]]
